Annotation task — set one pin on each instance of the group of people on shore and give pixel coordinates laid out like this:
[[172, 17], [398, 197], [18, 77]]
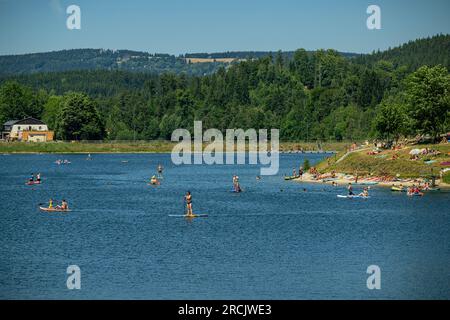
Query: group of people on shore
[[300, 172]]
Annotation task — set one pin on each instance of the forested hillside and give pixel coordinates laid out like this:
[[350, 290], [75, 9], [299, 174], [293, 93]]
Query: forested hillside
[[321, 95], [429, 51], [123, 60], [99, 59]]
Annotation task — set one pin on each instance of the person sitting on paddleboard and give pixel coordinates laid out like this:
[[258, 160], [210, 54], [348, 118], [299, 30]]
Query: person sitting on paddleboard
[[365, 192], [188, 199], [38, 177], [31, 178], [350, 190], [50, 204], [63, 206], [294, 172]]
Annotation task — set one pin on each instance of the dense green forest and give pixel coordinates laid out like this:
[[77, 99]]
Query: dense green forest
[[318, 95]]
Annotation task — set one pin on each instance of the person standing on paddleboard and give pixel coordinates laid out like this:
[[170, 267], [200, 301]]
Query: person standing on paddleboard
[[160, 170], [350, 190], [188, 199]]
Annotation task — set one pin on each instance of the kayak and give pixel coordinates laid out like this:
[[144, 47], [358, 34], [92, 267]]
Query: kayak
[[188, 216], [398, 189], [351, 197], [291, 177], [53, 210], [31, 183]]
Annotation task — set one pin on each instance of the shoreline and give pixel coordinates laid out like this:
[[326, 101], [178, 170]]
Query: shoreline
[[152, 147], [341, 181]]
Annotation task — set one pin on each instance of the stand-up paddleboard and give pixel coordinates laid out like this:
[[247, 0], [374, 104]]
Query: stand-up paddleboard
[[53, 210], [351, 197], [188, 216]]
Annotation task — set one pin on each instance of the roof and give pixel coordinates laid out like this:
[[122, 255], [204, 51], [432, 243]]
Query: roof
[[10, 122], [29, 121]]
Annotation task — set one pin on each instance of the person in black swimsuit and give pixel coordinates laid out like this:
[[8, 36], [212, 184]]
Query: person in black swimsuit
[[188, 199]]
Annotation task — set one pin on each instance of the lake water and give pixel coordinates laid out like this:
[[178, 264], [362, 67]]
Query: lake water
[[274, 241]]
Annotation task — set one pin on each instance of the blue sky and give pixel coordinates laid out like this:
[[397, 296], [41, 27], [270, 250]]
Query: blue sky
[[180, 26]]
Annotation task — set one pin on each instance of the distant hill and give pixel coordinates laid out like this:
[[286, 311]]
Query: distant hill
[[100, 59], [413, 54], [429, 51], [126, 60]]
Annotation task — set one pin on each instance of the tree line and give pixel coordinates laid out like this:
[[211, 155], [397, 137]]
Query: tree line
[[319, 95]]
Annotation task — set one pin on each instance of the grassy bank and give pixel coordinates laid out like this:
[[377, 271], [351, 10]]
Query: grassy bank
[[137, 147], [388, 162]]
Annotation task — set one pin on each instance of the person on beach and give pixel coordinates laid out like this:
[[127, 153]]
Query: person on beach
[[300, 172], [350, 190], [188, 199]]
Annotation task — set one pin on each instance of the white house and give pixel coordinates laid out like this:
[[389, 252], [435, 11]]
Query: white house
[[29, 129]]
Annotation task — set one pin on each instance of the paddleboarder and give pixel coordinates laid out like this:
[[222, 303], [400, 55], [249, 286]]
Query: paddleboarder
[[188, 199]]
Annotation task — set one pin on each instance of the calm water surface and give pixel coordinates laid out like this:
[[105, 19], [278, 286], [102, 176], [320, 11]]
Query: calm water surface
[[274, 241]]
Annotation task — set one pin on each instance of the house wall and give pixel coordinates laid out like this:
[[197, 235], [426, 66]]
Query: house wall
[[37, 136], [17, 129]]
